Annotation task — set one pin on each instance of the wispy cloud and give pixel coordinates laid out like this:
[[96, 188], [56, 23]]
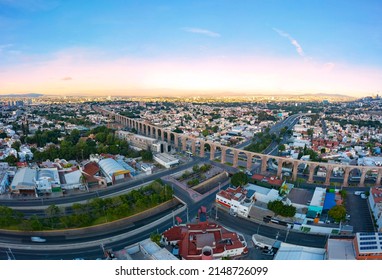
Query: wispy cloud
[[205, 32], [293, 41]]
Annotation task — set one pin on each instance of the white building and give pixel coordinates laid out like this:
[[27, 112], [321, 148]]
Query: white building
[[262, 194], [73, 180], [46, 178], [295, 252], [25, 154], [24, 181], [166, 160], [113, 170], [375, 201]]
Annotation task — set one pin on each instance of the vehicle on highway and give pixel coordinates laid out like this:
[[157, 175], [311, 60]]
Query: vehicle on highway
[[363, 195], [358, 193], [37, 239]]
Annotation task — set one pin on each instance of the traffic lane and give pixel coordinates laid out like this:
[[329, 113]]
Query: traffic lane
[[250, 227]]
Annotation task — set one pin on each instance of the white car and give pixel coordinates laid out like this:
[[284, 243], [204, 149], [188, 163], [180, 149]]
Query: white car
[[363, 195], [358, 193], [37, 239]]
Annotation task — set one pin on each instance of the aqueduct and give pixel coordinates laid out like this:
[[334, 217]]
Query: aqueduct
[[180, 141]]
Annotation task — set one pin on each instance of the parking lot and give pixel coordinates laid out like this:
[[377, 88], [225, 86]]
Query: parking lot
[[358, 209]]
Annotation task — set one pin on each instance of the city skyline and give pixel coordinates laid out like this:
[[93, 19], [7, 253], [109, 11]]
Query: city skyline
[[213, 47]]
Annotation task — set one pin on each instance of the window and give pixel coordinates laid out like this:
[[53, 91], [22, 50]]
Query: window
[[368, 243]]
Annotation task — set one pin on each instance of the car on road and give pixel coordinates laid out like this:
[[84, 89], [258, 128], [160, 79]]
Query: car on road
[[363, 195], [37, 239], [358, 193]]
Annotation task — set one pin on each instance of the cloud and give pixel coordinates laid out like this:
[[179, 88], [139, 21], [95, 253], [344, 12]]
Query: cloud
[[67, 79], [201, 31], [6, 46], [293, 41]]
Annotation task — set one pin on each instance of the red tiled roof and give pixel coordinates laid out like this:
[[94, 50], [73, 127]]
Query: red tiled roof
[[193, 237], [91, 168]]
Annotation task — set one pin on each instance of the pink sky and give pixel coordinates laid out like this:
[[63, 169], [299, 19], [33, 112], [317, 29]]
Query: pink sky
[[81, 71]]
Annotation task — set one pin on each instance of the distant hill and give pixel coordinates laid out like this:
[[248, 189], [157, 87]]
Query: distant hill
[[20, 95]]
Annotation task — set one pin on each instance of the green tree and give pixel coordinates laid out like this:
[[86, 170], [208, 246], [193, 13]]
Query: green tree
[[156, 237], [205, 133], [52, 213], [16, 145], [338, 213], [195, 168], [147, 156], [239, 179], [281, 147], [279, 208], [11, 159]]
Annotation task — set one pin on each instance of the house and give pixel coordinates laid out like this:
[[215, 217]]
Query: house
[[205, 240], [375, 202]]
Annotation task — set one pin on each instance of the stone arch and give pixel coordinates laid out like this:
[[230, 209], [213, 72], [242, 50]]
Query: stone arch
[[242, 158], [256, 163], [287, 169], [227, 155], [371, 177], [320, 172], [355, 174], [204, 147], [337, 176]]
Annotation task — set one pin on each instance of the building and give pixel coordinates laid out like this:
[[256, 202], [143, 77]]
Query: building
[[4, 180], [160, 147], [340, 249], [295, 252], [72, 180], [145, 250], [46, 179], [166, 160], [205, 240], [316, 205], [24, 181], [137, 141], [112, 170], [263, 194], [237, 200], [368, 245], [375, 202]]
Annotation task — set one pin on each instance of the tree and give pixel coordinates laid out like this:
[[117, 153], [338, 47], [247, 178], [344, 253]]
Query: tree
[[280, 209], [239, 179], [195, 168], [11, 159], [310, 132], [338, 213], [16, 145], [52, 212], [156, 237], [281, 147], [323, 150], [147, 156], [205, 133]]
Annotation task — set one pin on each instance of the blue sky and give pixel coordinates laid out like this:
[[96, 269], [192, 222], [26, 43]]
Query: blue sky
[[66, 38]]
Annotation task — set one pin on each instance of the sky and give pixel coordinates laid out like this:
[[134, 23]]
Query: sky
[[151, 47]]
